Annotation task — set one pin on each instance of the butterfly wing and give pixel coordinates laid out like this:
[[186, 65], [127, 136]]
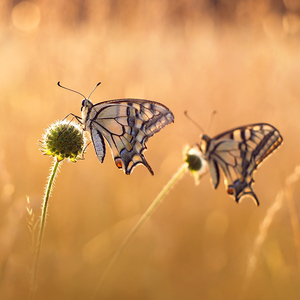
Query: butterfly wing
[[239, 152], [126, 124]]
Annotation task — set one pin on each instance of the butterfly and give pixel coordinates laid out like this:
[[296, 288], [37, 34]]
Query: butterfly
[[238, 152], [126, 124]]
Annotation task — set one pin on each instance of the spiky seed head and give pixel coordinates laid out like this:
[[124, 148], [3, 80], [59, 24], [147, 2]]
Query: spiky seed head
[[63, 139]]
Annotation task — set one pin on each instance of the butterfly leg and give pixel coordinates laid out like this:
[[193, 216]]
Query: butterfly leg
[[78, 119]]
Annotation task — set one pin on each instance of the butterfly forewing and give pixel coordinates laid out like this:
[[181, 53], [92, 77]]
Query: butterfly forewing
[[126, 124], [239, 152]]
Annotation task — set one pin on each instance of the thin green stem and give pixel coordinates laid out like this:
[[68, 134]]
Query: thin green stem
[[36, 258], [144, 217]]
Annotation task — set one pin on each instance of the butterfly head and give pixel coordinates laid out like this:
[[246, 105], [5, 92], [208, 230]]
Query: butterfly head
[[86, 104]]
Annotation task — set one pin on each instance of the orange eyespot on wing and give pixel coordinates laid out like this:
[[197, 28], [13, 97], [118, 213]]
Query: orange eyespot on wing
[[118, 162], [230, 190]]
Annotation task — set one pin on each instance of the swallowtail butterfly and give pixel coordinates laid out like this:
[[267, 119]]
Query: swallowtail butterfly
[[238, 152], [126, 124]]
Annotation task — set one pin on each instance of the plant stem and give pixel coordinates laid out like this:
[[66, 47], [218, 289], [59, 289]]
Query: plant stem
[[36, 258], [144, 217]]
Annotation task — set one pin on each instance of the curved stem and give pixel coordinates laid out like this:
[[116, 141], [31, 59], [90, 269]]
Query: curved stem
[[41, 230], [144, 217]]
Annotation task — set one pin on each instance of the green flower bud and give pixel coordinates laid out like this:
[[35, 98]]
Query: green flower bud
[[196, 162]]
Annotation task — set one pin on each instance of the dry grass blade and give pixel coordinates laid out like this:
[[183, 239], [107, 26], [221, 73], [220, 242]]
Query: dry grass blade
[[293, 212], [31, 224], [286, 192]]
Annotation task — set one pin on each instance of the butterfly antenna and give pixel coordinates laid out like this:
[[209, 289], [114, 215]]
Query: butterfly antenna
[[211, 119], [193, 121], [94, 89], [70, 90]]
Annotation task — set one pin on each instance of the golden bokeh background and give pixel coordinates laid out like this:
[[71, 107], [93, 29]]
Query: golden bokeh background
[[240, 58]]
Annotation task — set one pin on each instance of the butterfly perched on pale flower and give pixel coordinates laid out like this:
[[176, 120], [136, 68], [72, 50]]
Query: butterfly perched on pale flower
[[238, 152], [126, 124]]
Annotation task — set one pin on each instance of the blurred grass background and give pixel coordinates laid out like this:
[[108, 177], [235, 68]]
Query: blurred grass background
[[241, 58]]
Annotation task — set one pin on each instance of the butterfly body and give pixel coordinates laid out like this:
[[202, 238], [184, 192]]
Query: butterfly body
[[238, 152], [126, 124]]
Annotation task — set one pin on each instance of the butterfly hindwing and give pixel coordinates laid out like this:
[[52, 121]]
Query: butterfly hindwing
[[126, 124], [238, 152]]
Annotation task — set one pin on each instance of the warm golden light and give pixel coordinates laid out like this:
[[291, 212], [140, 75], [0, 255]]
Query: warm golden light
[[26, 16], [238, 57]]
